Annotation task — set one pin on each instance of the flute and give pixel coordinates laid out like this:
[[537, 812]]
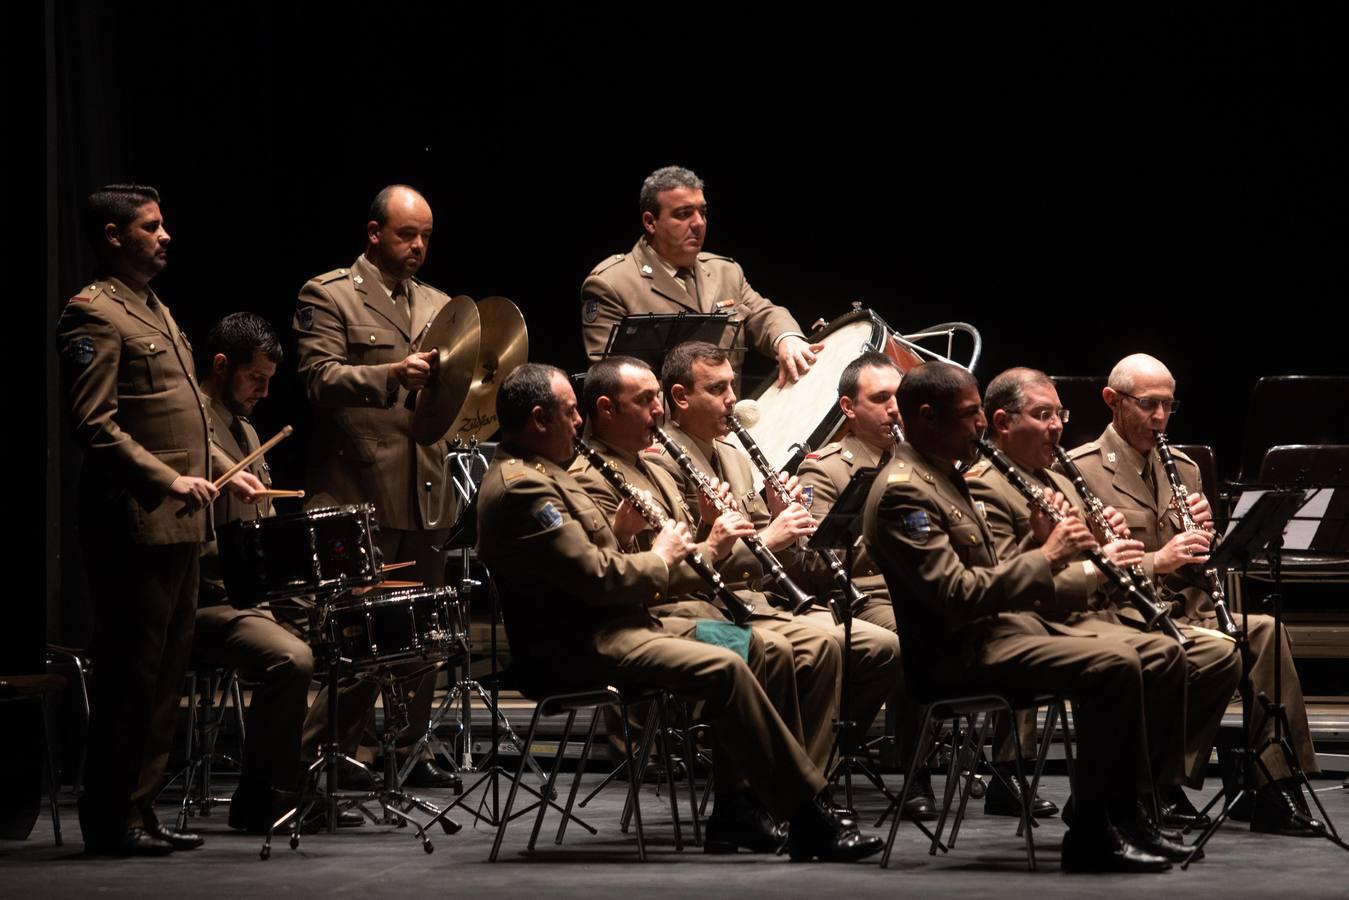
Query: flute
[[856, 599], [738, 609], [1118, 578], [1208, 578], [798, 599]]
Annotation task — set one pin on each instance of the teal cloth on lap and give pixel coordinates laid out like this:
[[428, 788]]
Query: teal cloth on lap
[[723, 634]]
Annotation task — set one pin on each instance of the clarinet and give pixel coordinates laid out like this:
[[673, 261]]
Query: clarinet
[[738, 609], [896, 433], [1209, 579], [1118, 578], [854, 596], [798, 599]]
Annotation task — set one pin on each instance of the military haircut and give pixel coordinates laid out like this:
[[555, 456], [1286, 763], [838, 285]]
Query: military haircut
[[239, 335], [379, 207], [116, 204], [934, 383], [678, 365], [530, 385], [604, 380], [1007, 391], [852, 373], [667, 178]]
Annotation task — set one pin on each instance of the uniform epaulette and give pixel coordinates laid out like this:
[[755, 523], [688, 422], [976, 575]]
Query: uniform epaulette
[[978, 469], [608, 263], [658, 449], [578, 465], [334, 275], [708, 257], [1091, 447], [512, 470], [826, 451], [88, 294], [1183, 456]]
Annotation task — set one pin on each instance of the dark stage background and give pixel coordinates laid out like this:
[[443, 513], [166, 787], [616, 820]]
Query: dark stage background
[[1078, 183]]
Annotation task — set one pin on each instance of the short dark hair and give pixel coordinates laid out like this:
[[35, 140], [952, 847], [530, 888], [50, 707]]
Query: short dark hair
[[847, 382], [1007, 390], [239, 335], [603, 380], [665, 179], [118, 204], [528, 386], [379, 207], [678, 365], [934, 383]]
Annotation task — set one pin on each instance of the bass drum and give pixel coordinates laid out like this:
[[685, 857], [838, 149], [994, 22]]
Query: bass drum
[[801, 417]]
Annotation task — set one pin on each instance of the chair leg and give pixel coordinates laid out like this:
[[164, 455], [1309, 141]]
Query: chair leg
[[634, 780], [580, 771], [515, 786], [1025, 800], [641, 762], [1067, 745], [896, 807], [967, 778], [688, 767], [959, 741], [49, 767], [552, 777], [663, 725]]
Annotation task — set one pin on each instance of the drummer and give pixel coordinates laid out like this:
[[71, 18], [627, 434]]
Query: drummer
[[357, 331], [667, 272], [242, 353]]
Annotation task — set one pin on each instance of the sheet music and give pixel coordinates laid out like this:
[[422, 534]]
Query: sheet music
[[1301, 528]]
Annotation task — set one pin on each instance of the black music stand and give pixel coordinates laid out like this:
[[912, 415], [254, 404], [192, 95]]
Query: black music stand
[[649, 336], [1262, 528], [839, 531]]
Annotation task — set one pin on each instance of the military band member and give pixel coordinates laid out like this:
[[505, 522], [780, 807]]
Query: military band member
[[970, 623], [1026, 422], [697, 377], [1123, 469], [144, 490], [358, 333], [667, 272], [242, 353], [576, 611]]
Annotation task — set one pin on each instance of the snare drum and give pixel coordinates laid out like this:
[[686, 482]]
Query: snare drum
[[383, 629], [330, 549]]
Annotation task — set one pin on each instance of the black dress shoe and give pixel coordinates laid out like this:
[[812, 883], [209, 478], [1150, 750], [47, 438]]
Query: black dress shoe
[[350, 778], [1106, 851], [922, 803], [815, 834], [1144, 834], [427, 774], [135, 842], [740, 821], [1004, 799], [1178, 811], [178, 840], [1278, 810]]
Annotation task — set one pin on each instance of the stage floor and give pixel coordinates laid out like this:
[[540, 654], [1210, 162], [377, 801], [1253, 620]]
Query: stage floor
[[385, 861]]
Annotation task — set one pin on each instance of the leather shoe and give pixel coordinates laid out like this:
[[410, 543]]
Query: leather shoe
[[426, 774], [922, 803], [178, 840], [317, 820], [1107, 851], [1145, 834], [1280, 809], [816, 834], [350, 778], [740, 821], [1178, 811], [135, 842], [1004, 799]]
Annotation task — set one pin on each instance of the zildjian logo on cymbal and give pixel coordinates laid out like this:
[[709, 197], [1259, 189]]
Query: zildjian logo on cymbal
[[473, 423]]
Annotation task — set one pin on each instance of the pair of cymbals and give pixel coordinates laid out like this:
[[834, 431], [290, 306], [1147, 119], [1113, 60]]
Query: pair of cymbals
[[477, 345]]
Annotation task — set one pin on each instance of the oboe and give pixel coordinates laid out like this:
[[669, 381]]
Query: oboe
[[1118, 578], [856, 599], [799, 600], [1208, 578], [738, 609]]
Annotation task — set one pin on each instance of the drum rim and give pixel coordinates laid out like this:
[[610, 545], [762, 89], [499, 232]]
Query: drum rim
[[394, 597]]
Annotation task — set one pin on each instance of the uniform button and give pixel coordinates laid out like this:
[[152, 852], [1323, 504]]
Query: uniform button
[[372, 338], [152, 345], [657, 597], [745, 575]]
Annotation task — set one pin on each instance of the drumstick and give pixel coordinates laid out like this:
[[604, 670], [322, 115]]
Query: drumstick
[[248, 460], [270, 493], [389, 567], [400, 584]]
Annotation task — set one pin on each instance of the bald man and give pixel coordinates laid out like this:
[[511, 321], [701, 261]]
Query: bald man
[[1123, 469]]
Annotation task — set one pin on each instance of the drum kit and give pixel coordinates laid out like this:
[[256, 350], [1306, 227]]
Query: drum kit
[[324, 563]]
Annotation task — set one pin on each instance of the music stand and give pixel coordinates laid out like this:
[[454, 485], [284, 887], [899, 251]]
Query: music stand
[[839, 531], [649, 336], [1262, 528]]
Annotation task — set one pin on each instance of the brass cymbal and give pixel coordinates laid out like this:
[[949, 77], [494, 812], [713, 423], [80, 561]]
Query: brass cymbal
[[504, 346], [455, 334]]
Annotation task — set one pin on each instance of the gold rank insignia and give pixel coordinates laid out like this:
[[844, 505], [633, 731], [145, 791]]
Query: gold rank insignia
[[898, 478], [646, 270], [956, 514], [358, 279], [1110, 457]]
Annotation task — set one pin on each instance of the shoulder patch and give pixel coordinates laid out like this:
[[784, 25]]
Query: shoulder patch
[[79, 352], [547, 516], [590, 310], [304, 316], [608, 263], [915, 525], [808, 496], [1085, 449], [978, 469]]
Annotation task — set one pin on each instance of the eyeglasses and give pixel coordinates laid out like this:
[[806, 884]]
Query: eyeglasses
[[1150, 404], [1044, 415]]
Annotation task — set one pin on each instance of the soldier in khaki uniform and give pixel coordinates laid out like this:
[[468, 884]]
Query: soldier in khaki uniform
[[697, 377], [1123, 469], [242, 353], [1026, 421], [575, 607], [667, 272], [358, 333], [970, 623], [136, 413]]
